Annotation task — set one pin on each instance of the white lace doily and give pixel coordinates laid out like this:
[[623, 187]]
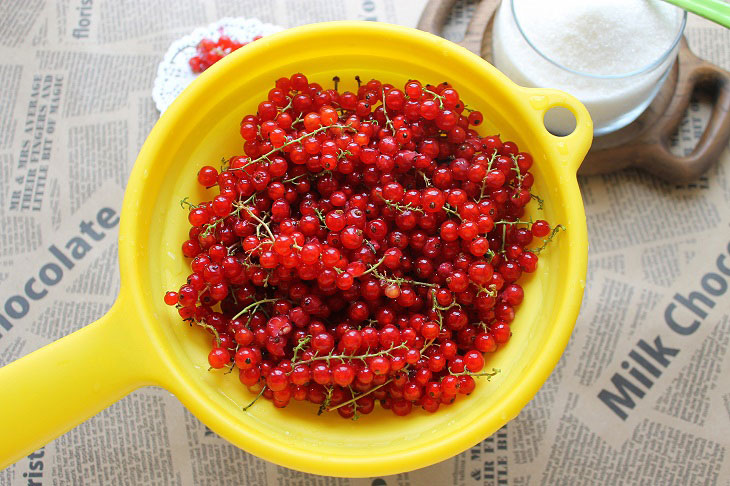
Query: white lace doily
[[174, 73]]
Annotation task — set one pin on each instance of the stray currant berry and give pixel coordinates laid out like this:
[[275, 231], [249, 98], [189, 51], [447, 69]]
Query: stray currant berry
[[208, 52]]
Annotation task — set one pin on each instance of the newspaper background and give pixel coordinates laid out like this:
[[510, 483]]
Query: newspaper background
[[75, 108]]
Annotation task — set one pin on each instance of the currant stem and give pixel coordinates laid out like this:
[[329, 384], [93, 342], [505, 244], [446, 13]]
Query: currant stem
[[263, 388], [251, 306], [292, 142], [438, 309], [320, 216], [484, 181], [327, 400], [364, 394], [517, 221], [539, 200], [212, 329], [262, 222], [370, 245], [300, 346], [298, 119], [436, 96], [425, 178], [488, 374], [388, 123], [451, 210], [362, 357], [190, 205], [211, 226], [354, 399], [372, 268], [427, 345], [292, 179], [519, 173], [288, 105], [491, 291], [356, 414], [400, 281], [547, 240], [401, 207], [232, 249]]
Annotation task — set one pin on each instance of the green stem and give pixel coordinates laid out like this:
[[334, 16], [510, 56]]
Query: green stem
[[210, 328], [288, 105], [439, 309], [298, 119], [251, 306], [491, 291], [539, 200], [450, 210], [292, 179], [373, 267], [505, 222], [211, 226], [266, 226], [319, 214], [292, 142], [327, 400], [400, 207], [436, 96], [354, 399], [388, 123], [400, 281], [489, 168], [519, 173], [190, 205], [488, 374], [328, 357], [254, 400], [547, 240], [425, 178], [300, 346], [405, 369]]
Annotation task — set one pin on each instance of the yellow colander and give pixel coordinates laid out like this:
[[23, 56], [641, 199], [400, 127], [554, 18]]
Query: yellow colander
[[142, 342]]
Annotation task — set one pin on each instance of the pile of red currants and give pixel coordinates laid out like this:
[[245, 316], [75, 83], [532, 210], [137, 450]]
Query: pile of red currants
[[210, 52], [368, 246]]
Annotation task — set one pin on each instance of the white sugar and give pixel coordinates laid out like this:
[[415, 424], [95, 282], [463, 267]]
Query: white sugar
[[598, 37]]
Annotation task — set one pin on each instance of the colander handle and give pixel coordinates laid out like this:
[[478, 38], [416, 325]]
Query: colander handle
[[53, 389], [570, 149]]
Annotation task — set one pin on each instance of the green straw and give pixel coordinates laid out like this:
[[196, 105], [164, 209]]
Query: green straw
[[716, 10]]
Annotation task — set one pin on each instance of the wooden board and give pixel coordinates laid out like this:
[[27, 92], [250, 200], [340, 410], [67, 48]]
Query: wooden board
[[644, 143]]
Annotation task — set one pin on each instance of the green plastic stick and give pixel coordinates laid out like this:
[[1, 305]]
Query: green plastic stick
[[716, 10]]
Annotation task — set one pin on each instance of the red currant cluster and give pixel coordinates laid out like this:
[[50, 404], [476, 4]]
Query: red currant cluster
[[210, 52], [367, 246]]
